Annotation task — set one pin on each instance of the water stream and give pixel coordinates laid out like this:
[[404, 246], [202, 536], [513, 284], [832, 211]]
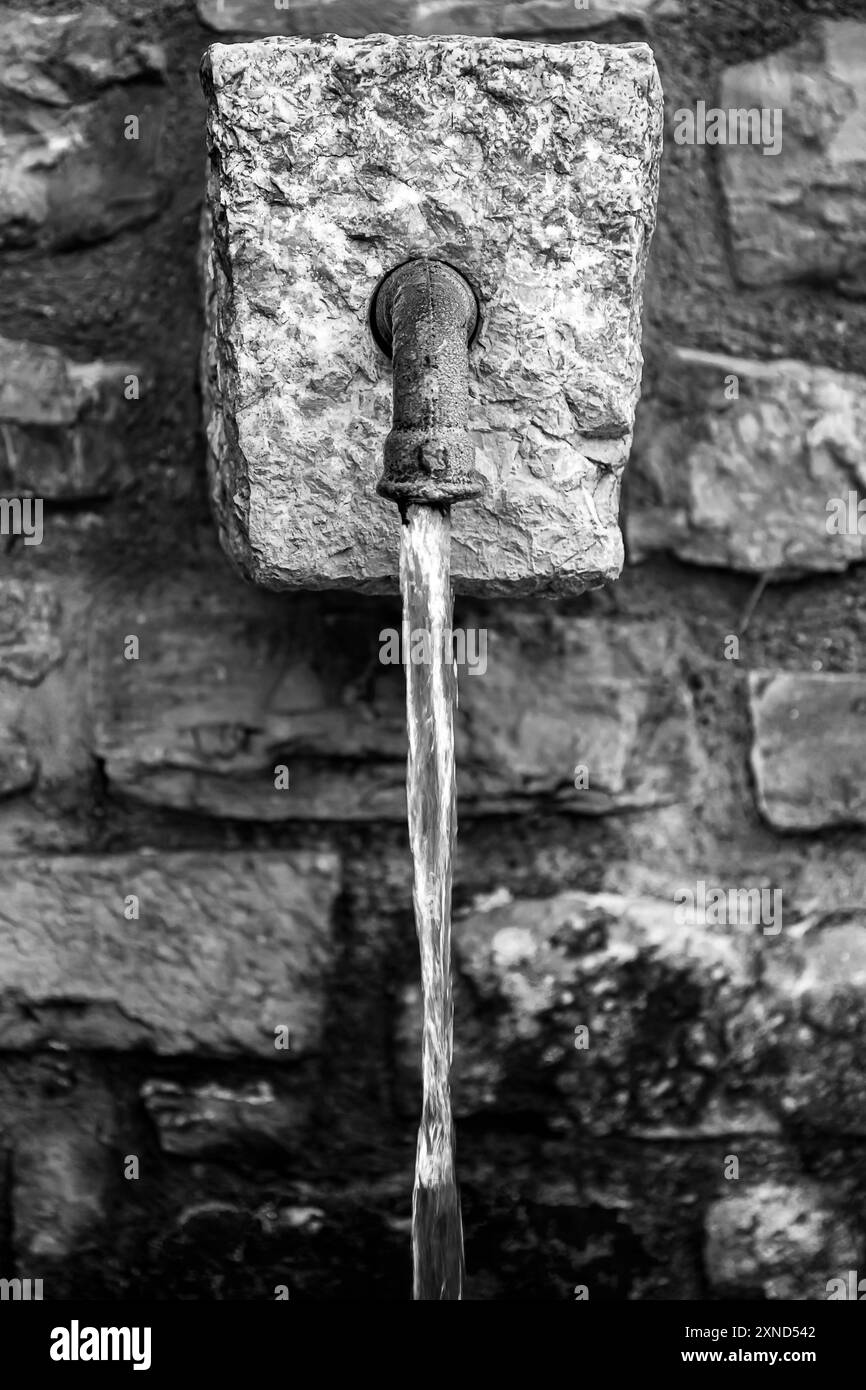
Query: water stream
[[431, 695]]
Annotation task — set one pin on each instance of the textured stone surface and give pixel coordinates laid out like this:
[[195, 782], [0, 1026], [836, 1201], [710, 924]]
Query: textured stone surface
[[561, 694], [198, 1120], [73, 181], [31, 645], [745, 480], [19, 766], [802, 212], [821, 988], [809, 748], [31, 640], [644, 986], [355, 18], [778, 1240], [50, 58], [531, 168], [69, 175], [694, 1031], [226, 949], [61, 423], [60, 1168], [308, 691]]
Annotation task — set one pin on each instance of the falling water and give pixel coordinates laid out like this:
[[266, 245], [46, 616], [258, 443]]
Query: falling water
[[431, 690]]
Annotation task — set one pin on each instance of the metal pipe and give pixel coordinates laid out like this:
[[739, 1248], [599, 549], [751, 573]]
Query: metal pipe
[[424, 316]]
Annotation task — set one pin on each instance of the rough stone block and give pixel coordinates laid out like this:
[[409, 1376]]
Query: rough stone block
[[821, 987], [809, 748], [643, 986], [232, 683], [31, 641], [801, 213], [779, 1240], [31, 645], [532, 169], [48, 57], [197, 1120], [226, 948], [60, 1165], [750, 465], [589, 715], [19, 766], [69, 174], [692, 1029], [60, 423]]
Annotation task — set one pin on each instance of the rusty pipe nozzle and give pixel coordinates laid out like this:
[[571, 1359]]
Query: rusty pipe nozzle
[[424, 315]]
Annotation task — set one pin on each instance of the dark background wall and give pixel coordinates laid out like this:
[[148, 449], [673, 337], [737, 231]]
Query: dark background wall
[[164, 909]]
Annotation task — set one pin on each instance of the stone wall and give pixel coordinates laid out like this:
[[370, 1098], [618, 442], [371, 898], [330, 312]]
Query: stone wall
[[208, 981]]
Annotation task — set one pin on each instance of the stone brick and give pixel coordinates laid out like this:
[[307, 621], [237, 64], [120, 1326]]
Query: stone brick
[[650, 992], [693, 1030], [74, 181], [51, 58], [565, 693], [355, 18], [801, 213], [549, 220], [820, 987], [809, 748], [61, 1161], [61, 423], [750, 481], [227, 947], [31, 640], [777, 1241], [69, 175], [232, 684], [19, 767], [31, 645], [194, 1121]]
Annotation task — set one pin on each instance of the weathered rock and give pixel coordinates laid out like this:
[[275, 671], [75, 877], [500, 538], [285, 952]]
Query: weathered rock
[[809, 748], [31, 640], [18, 764], [590, 715], [802, 212], [69, 171], [742, 461], [197, 1120], [60, 1170], [613, 1016], [355, 18], [650, 993], [71, 177], [820, 989], [60, 423], [53, 59], [31, 644], [777, 1241], [232, 685], [533, 170], [226, 949]]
